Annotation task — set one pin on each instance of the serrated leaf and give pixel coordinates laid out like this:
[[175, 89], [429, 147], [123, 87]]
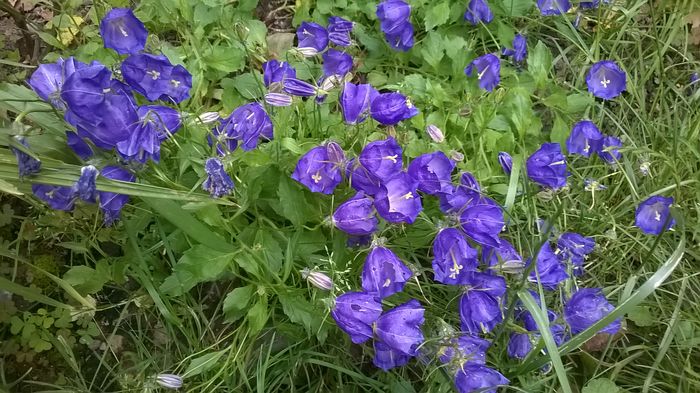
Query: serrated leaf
[[257, 315], [203, 363], [197, 265], [225, 58], [539, 63], [560, 132], [437, 15], [236, 302], [600, 385], [293, 203], [642, 316], [516, 7], [433, 49], [302, 312], [578, 102], [249, 85], [87, 280]]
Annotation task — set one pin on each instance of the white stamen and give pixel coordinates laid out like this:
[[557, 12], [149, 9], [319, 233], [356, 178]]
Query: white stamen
[[392, 158], [154, 74], [317, 178], [387, 283], [605, 82]]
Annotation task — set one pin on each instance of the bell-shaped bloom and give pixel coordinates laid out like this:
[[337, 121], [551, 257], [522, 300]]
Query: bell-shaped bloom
[[156, 78], [248, 124], [519, 51], [393, 15], [401, 39], [356, 216], [606, 80], [553, 7], [156, 123], [312, 35], [122, 31], [465, 349], [355, 312], [383, 273], [487, 70], [78, 145], [336, 62], [586, 307], [574, 247], [299, 88], [387, 358], [275, 71], [318, 279], [278, 99], [435, 133], [585, 139], [609, 149], [653, 216], [391, 108], [506, 162], [47, 80], [478, 11], [317, 172], [57, 197], [453, 258], [478, 378], [397, 200], [355, 102], [218, 183], [112, 203], [339, 30], [400, 327], [549, 270], [86, 188], [480, 306], [26, 164], [433, 172], [505, 256], [361, 179], [382, 158], [458, 198], [482, 222], [336, 154], [547, 166], [519, 345]]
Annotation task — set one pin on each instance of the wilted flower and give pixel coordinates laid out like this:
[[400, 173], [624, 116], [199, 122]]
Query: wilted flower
[[400, 327], [112, 203], [606, 80], [339, 30], [122, 31], [57, 197], [586, 307], [298, 87], [547, 166], [487, 69], [397, 200], [506, 162], [548, 271], [653, 216], [482, 221], [609, 149], [478, 11], [433, 172], [585, 139], [156, 78], [218, 183], [316, 171], [356, 216], [383, 273], [453, 258], [336, 62], [275, 71], [355, 102], [519, 345], [593, 185], [355, 312], [85, 188], [480, 306], [26, 164], [575, 247], [391, 108], [312, 35], [519, 51], [318, 279], [553, 7], [169, 381], [435, 133]]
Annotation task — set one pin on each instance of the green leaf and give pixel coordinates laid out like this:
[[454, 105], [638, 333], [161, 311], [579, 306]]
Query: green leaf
[[560, 131], [249, 85], [236, 302], [539, 63], [516, 7], [87, 280], [578, 102], [301, 312], [225, 58], [203, 363], [437, 15], [642, 316], [270, 248], [257, 315], [198, 264], [293, 203], [600, 385], [433, 48]]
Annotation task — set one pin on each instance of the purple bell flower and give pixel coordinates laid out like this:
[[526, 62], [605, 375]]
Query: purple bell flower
[[355, 313], [465, 349], [519, 51], [57, 197], [487, 69], [505, 256], [553, 7], [433, 172], [478, 11], [401, 39], [397, 200], [156, 123], [547, 166], [549, 270], [468, 181], [299, 88], [361, 179], [435, 133], [336, 62], [585, 139], [464, 194], [122, 31], [112, 203], [586, 307], [355, 102], [506, 162], [387, 358], [519, 345], [248, 124], [478, 378], [336, 154], [316, 171], [275, 71], [393, 15], [575, 247], [78, 145], [586, 5], [339, 30], [356, 216], [156, 78], [278, 99], [85, 188], [453, 258], [609, 149], [218, 183], [482, 222], [26, 164], [390, 108], [383, 273], [653, 216], [382, 159], [606, 80], [480, 306], [400, 327], [312, 35], [47, 81]]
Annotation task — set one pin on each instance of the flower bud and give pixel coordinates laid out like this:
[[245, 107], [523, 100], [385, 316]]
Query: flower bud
[[435, 133], [278, 99], [318, 279], [208, 117], [169, 381], [506, 162], [307, 52], [336, 154], [457, 156]]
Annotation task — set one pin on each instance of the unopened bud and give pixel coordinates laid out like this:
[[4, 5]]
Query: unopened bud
[[457, 156], [308, 51], [278, 99], [318, 279], [170, 381], [208, 117], [336, 154], [506, 162], [435, 133]]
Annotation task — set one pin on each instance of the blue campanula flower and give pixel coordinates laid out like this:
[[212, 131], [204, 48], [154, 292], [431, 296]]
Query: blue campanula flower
[[318, 279], [401, 39], [355, 101], [275, 71], [465, 349], [156, 123], [122, 31], [57, 197], [26, 164], [78, 145], [382, 159], [383, 273], [278, 99], [299, 88], [653, 216], [519, 345], [248, 124], [397, 200], [112, 203], [506, 162], [393, 15], [336, 62], [391, 108], [478, 378], [453, 258], [479, 312], [433, 172], [606, 80], [86, 188], [478, 11], [553, 7], [609, 149], [361, 179], [505, 256], [585, 139], [169, 381], [461, 196], [339, 30], [356, 216], [435, 133], [482, 221], [468, 181], [355, 313], [156, 78], [218, 183], [387, 358], [47, 80], [336, 154], [519, 51], [317, 172], [312, 35], [586, 307], [487, 69], [400, 327], [549, 270], [547, 166], [575, 246]]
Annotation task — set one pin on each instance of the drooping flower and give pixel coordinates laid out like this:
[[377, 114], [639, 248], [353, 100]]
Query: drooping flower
[[433, 172], [278, 99], [275, 71], [400, 327], [218, 183], [519, 345], [355, 312], [383, 273], [478, 378], [26, 164], [387, 358], [506, 162], [312, 35], [585, 139], [453, 258], [397, 200], [653, 216], [401, 39], [356, 216], [78, 145], [382, 158], [336, 62], [339, 30], [112, 203], [299, 88], [505, 256], [482, 222], [393, 15], [465, 349], [547, 166], [609, 149], [85, 188], [519, 51], [156, 123], [318, 279], [480, 306], [156, 78], [355, 102], [575, 247], [122, 31], [391, 108], [169, 381], [478, 11], [586, 307], [549, 270], [487, 70], [435, 133], [553, 7], [606, 80], [361, 179], [247, 124], [57, 197]]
